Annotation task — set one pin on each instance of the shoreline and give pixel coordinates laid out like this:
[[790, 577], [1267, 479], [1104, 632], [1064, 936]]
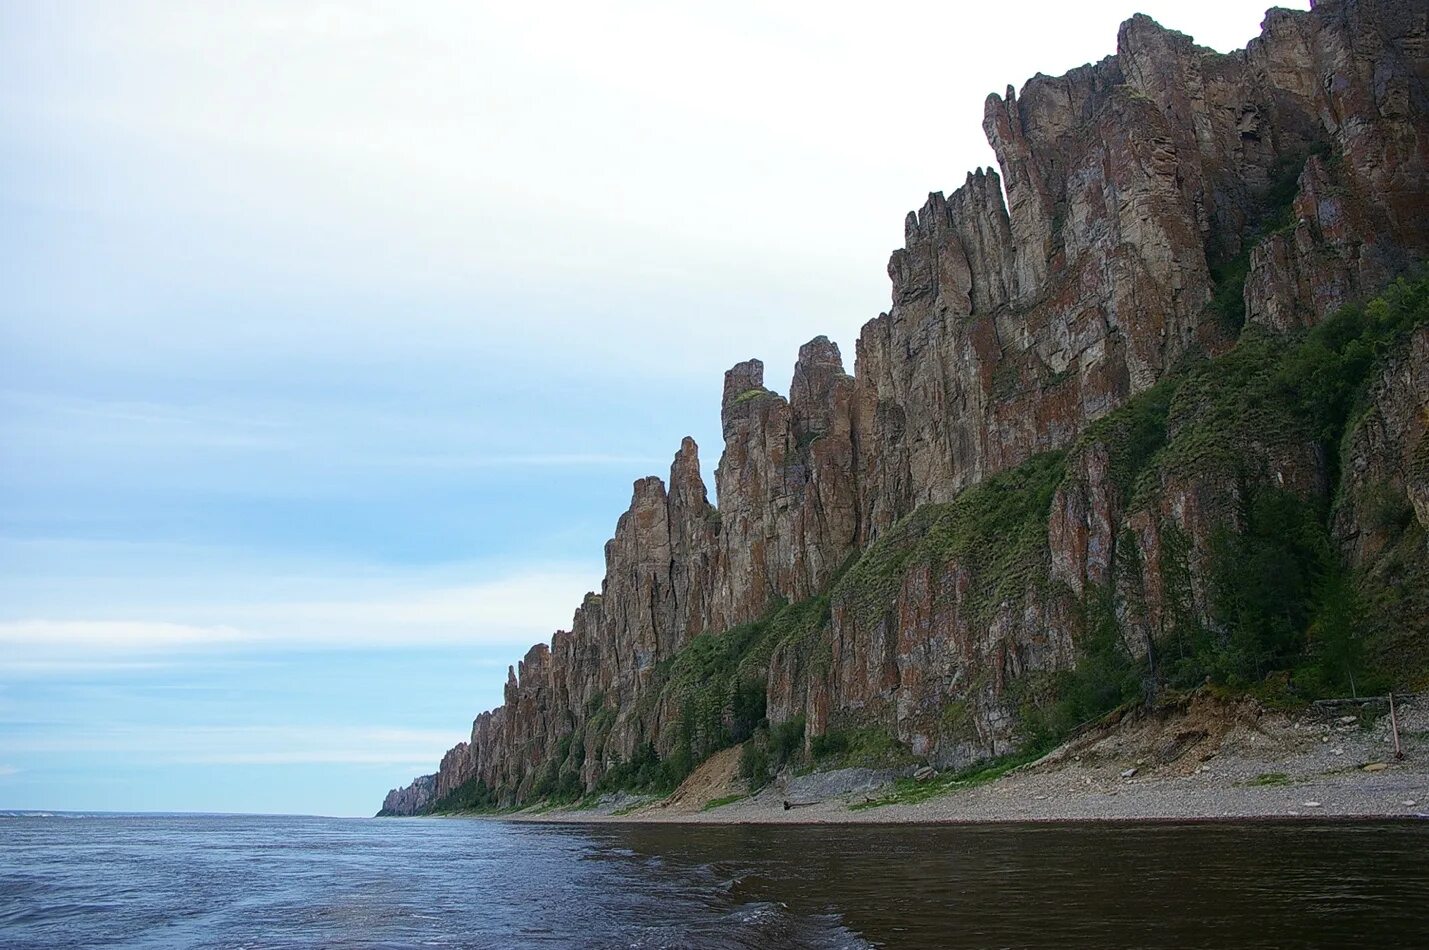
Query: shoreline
[[1201, 760], [1366, 819], [1351, 798]]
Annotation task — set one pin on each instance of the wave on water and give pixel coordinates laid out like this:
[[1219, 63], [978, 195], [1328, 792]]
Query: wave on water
[[273, 883], [754, 926], [295, 884]]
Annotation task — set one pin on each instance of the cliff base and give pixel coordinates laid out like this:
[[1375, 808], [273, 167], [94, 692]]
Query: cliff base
[[1193, 757]]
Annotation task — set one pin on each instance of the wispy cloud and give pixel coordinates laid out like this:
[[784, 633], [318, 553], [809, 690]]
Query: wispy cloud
[[236, 744], [639, 463], [39, 647], [268, 446], [503, 610], [111, 635], [357, 612]]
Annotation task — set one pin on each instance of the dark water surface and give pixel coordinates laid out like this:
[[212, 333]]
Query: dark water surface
[[216, 881]]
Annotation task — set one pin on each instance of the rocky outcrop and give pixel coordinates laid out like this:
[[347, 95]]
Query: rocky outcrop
[[788, 505], [1361, 213], [1155, 201], [1382, 519], [1386, 462], [412, 800]]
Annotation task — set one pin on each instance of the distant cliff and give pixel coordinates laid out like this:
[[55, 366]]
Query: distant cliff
[[412, 800], [1090, 434]]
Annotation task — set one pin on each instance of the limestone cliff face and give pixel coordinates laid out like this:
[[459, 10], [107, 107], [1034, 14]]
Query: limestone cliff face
[[1388, 456], [412, 800], [1155, 201], [1361, 213]]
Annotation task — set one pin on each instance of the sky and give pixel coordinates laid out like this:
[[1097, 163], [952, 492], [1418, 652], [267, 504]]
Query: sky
[[333, 336]]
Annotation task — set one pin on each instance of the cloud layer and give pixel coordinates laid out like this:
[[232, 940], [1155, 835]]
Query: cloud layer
[[260, 744], [371, 612]]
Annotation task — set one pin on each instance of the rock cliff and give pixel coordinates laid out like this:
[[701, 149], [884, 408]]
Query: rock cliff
[[1038, 441], [412, 800]]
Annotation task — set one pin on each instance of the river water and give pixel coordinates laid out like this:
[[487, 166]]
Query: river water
[[258, 882]]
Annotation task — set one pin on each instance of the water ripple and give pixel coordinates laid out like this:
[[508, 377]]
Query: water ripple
[[258, 883]]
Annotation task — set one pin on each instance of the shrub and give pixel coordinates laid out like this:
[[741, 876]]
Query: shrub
[[769, 750], [747, 708], [829, 745], [1263, 583], [471, 795], [786, 741], [1228, 295], [642, 772], [754, 761], [867, 747], [1106, 675]]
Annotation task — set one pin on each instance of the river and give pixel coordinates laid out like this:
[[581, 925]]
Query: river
[[287, 882]]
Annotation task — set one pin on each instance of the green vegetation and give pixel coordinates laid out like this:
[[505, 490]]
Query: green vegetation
[[1274, 779], [908, 791], [1280, 597], [714, 803], [1394, 597], [868, 747], [1105, 677], [1280, 615], [1228, 290], [749, 394], [1134, 434], [718, 683], [1273, 211], [560, 782], [642, 772], [472, 797], [996, 530], [1265, 605], [769, 750]]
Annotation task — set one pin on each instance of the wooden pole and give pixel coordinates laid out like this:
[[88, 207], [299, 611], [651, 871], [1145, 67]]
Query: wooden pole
[[1394, 725]]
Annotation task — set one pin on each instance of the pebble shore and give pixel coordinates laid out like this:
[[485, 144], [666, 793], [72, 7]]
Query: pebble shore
[[1261, 766]]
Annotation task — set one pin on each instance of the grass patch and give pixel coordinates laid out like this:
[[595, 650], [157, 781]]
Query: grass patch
[[1133, 434], [717, 683], [866, 747], [714, 803], [1272, 779], [907, 791]]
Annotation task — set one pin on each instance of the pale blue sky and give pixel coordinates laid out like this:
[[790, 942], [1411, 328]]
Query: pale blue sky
[[332, 337]]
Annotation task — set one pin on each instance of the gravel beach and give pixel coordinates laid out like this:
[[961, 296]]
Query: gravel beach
[[1206, 760]]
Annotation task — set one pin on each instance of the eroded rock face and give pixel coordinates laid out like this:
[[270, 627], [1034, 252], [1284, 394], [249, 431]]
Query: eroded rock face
[[1364, 213], [1386, 467], [788, 507], [412, 800], [935, 668], [1012, 327]]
